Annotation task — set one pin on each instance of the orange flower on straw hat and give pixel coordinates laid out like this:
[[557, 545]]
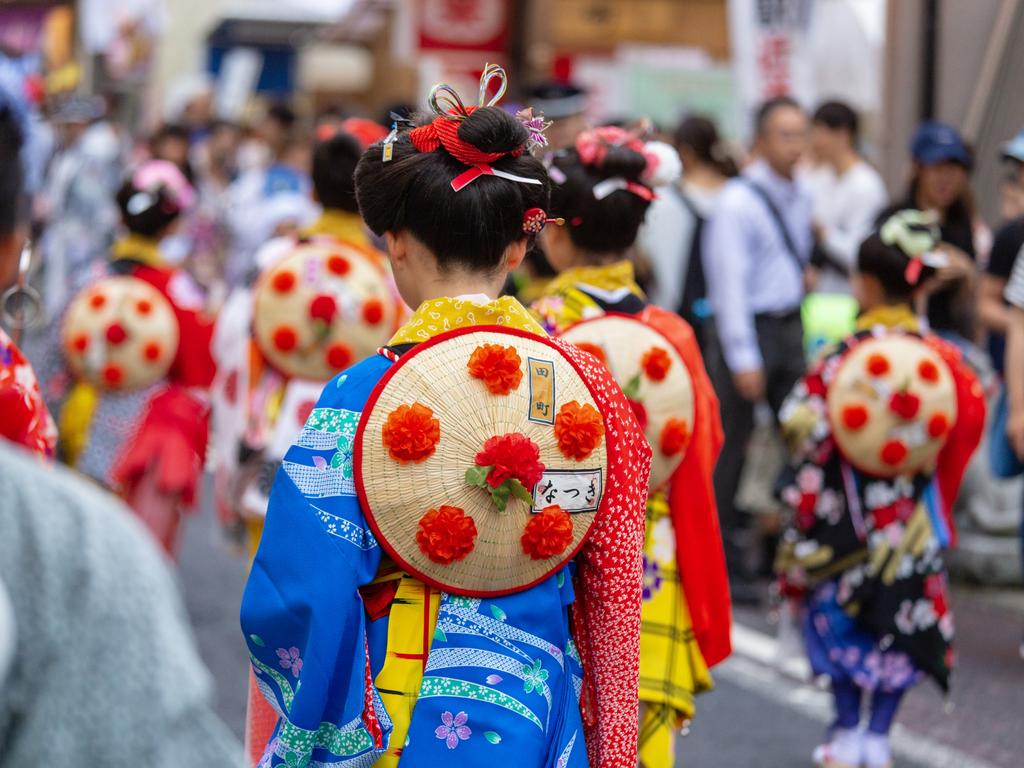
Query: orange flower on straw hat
[[656, 363], [496, 366], [579, 430], [446, 534], [548, 533], [675, 436], [411, 433]]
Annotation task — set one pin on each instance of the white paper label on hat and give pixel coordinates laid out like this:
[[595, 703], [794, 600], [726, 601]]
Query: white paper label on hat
[[573, 491]]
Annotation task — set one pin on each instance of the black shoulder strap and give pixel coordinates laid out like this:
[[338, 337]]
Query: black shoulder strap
[[760, 191]]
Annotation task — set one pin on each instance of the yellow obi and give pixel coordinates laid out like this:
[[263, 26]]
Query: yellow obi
[[672, 670], [565, 302], [413, 615]]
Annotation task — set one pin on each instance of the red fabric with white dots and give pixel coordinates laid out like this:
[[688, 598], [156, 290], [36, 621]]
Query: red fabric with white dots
[[609, 579]]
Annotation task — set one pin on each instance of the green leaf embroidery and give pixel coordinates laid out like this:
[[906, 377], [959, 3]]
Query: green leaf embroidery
[[492, 737], [477, 476], [632, 388], [257, 640], [501, 495], [499, 614], [520, 492]]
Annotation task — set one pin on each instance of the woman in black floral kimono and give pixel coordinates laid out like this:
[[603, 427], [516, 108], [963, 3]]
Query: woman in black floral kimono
[[881, 431]]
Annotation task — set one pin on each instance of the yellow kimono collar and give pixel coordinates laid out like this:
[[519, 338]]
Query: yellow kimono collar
[[436, 316], [898, 316], [609, 277], [137, 248], [341, 225]]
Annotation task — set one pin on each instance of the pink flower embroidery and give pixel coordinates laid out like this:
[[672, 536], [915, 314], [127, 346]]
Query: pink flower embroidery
[[452, 729], [289, 658]]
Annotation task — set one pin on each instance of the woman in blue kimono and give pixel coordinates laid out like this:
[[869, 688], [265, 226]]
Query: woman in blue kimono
[[366, 664]]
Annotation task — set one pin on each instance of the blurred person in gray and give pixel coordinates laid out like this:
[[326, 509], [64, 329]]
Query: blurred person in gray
[[670, 239], [756, 248], [101, 669], [848, 195]]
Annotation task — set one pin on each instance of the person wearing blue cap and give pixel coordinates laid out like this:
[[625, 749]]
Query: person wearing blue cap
[[993, 313], [942, 163]]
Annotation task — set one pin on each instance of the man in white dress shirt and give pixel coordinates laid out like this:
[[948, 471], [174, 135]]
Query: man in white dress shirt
[[756, 248], [848, 195]]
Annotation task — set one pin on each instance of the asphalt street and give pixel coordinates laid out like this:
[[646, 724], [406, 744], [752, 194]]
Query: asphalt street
[[757, 717]]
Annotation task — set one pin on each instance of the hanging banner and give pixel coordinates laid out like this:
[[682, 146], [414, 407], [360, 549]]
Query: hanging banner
[[463, 25], [771, 51]]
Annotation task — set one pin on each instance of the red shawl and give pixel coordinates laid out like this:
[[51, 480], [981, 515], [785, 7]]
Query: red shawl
[[691, 498]]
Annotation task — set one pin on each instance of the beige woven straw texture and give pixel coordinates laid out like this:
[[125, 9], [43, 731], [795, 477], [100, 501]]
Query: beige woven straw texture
[[120, 333], [398, 495], [624, 342], [854, 385], [275, 309]]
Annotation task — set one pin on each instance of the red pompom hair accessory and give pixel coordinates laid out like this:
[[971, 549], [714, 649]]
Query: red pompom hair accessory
[[535, 218], [443, 130]]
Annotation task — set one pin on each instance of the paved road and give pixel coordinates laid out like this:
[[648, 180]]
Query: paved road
[[757, 717]]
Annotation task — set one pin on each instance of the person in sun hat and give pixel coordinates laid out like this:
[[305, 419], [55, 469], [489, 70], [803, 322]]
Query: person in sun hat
[[451, 564], [881, 431], [603, 187], [136, 345]]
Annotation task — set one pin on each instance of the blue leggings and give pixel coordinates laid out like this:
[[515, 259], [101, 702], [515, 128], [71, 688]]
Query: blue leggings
[[849, 699]]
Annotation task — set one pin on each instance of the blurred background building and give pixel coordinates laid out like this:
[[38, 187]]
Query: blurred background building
[[896, 62]]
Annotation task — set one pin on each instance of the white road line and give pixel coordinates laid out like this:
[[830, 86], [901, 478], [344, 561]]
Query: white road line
[[756, 666]]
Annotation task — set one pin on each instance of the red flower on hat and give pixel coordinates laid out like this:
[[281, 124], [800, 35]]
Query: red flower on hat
[[283, 282], [511, 457], [411, 433], [446, 534], [338, 264], [938, 426], [928, 371], [496, 366], [894, 453], [548, 533], [878, 365], [373, 311], [285, 339], [113, 375], [579, 430], [593, 349], [143, 306], [152, 351], [656, 363], [339, 356], [116, 333], [675, 436], [855, 416], [323, 308], [905, 405]]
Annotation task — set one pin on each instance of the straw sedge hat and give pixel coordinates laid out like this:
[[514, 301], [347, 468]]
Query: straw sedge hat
[[321, 307], [120, 333], [481, 460], [891, 403], [654, 378]]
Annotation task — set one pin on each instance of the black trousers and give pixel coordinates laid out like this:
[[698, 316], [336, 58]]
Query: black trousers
[[780, 339]]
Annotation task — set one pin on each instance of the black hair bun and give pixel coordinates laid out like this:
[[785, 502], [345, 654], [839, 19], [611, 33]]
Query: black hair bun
[[621, 160], [492, 129]]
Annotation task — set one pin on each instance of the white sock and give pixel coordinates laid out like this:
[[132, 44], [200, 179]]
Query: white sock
[[877, 751], [846, 747]]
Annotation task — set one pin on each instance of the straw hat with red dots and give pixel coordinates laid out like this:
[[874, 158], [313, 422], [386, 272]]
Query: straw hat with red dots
[[481, 460], [321, 307], [891, 403], [654, 378], [120, 334]]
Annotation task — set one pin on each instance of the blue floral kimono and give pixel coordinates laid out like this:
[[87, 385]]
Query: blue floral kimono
[[501, 680]]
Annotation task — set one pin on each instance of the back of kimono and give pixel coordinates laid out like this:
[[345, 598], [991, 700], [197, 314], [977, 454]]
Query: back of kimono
[[450, 569]]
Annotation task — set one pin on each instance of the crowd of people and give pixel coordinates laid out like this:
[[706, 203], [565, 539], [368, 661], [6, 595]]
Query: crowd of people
[[477, 389]]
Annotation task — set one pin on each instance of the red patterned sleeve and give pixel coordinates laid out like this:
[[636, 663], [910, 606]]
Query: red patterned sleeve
[[609, 582]]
